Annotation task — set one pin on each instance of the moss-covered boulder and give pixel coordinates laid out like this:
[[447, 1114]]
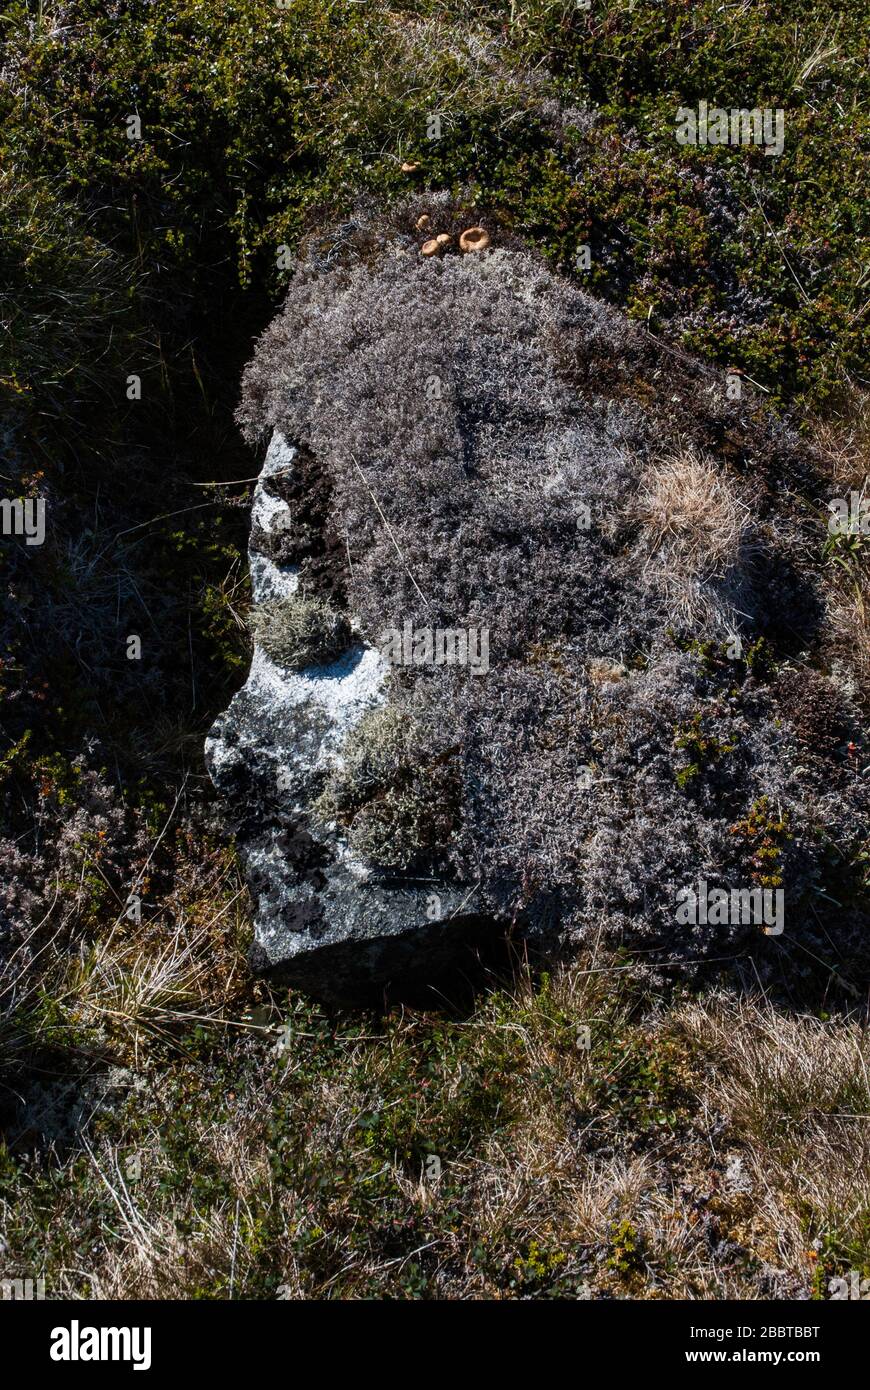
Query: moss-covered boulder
[[590, 580]]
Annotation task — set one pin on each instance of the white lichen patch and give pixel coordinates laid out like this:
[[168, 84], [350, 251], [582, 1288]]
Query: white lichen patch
[[343, 690], [271, 515], [330, 698]]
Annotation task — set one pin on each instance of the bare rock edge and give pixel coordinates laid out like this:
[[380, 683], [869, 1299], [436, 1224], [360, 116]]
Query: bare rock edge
[[324, 921]]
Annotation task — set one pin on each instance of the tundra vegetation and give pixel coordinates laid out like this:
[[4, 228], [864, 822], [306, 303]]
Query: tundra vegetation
[[172, 1126]]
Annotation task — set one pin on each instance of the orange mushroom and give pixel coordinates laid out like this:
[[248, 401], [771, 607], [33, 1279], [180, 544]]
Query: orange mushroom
[[474, 239]]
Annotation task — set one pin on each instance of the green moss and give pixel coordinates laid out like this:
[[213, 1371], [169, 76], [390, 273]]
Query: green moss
[[703, 750], [397, 799], [759, 660], [715, 658], [14, 755], [627, 1250], [538, 1267], [766, 833]]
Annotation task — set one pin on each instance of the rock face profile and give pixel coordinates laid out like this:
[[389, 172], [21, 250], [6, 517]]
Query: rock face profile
[[543, 636], [322, 917]]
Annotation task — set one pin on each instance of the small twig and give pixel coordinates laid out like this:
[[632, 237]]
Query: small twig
[[165, 516], [390, 533], [778, 246], [237, 482]]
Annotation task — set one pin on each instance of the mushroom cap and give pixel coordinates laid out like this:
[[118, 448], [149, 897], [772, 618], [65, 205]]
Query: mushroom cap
[[409, 168], [474, 239], [430, 248], [444, 239], [424, 222]]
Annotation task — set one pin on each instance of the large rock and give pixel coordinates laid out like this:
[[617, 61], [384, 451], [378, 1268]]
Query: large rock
[[666, 710]]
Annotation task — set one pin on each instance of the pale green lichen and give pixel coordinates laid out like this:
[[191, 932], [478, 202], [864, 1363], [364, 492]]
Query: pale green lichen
[[298, 631], [396, 799]]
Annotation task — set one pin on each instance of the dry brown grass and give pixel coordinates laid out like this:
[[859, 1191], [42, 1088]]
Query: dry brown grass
[[695, 527], [847, 621], [844, 443], [843, 438], [796, 1096], [711, 1148]]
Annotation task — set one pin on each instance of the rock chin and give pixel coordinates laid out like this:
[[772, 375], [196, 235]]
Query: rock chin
[[323, 919]]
